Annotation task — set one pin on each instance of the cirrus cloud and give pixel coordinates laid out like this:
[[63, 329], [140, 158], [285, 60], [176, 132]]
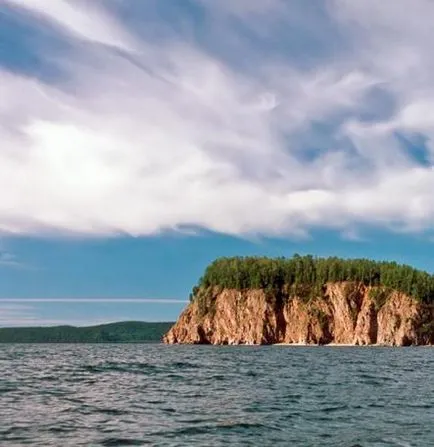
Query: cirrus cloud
[[144, 135]]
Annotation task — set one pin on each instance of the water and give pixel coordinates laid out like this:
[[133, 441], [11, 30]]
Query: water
[[120, 395]]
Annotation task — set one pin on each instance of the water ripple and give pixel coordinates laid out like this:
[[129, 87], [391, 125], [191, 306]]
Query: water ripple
[[121, 395]]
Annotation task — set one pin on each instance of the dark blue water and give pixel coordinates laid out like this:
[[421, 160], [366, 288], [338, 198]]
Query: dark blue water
[[119, 395]]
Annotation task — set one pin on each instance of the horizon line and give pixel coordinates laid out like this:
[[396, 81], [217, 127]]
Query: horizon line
[[93, 300]]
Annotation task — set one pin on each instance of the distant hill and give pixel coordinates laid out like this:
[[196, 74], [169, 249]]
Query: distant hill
[[122, 332]]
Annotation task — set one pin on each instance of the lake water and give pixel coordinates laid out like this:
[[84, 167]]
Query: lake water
[[120, 395]]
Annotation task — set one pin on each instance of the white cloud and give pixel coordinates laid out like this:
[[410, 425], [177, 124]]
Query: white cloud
[[8, 259], [82, 19], [175, 136]]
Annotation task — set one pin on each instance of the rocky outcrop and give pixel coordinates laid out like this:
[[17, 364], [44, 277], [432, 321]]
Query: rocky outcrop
[[343, 313]]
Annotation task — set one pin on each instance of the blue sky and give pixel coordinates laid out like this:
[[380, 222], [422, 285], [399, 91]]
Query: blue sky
[[140, 140]]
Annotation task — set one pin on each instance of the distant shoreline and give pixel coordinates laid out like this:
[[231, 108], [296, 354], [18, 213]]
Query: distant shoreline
[[120, 332]]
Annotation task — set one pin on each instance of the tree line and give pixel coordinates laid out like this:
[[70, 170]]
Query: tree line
[[122, 332], [272, 274]]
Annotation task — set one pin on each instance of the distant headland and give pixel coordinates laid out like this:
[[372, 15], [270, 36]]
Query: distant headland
[[308, 300], [122, 332]]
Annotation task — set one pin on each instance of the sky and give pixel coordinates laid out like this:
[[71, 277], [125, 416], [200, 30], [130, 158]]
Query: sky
[[141, 140]]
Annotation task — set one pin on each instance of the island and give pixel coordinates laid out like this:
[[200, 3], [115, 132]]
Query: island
[[308, 300], [121, 332]]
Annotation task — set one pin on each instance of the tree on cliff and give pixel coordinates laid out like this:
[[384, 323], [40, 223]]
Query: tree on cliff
[[272, 274]]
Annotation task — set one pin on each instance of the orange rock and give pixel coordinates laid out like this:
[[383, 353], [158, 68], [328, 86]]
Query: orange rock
[[344, 313]]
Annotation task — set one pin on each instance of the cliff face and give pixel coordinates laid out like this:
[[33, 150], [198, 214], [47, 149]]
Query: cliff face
[[345, 313]]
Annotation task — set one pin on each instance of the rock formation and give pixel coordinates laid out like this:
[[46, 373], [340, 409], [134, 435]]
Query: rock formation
[[342, 313]]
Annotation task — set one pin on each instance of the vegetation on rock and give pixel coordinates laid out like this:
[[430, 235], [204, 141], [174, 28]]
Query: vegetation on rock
[[299, 272]]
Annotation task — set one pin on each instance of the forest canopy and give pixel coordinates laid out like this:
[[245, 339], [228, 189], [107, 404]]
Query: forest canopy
[[122, 332], [272, 274]]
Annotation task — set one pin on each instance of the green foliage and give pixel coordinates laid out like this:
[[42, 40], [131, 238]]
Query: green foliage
[[123, 332], [427, 328], [379, 296], [206, 302], [299, 271], [306, 291], [321, 316]]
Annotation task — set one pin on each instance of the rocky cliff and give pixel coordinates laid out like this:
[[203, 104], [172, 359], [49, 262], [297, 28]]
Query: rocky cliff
[[341, 313]]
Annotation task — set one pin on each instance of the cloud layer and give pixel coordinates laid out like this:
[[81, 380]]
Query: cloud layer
[[240, 117]]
